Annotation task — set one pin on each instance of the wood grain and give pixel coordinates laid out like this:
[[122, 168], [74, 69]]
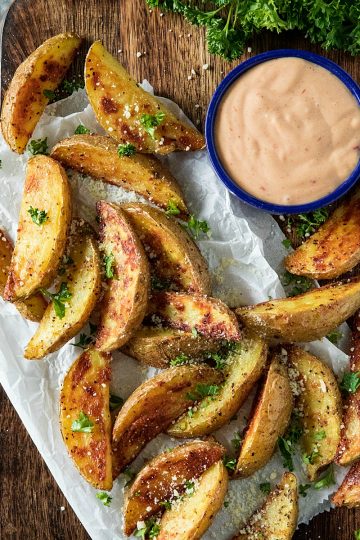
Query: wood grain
[[30, 502]]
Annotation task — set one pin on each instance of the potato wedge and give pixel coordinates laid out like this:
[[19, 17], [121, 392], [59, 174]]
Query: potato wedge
[[306, 317], [98, 156], [126, 297], [128, 113], [348, 493], [158, 346], [335, 247], [175, 259], [320, 402], [82, 279], [41, 236], [208, 316], [165, 475], [243, 368], [32, 308], [277, 518], [25, 101], [192, 516], [268, 422], [85, 391], [153, 406]]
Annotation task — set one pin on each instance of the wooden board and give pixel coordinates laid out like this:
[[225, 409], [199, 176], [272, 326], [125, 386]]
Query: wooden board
[[30, 505]]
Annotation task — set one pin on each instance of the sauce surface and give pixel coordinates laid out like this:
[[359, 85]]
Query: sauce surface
[[288, 131]]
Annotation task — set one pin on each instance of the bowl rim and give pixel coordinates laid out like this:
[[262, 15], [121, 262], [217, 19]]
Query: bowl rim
[[221, 89]]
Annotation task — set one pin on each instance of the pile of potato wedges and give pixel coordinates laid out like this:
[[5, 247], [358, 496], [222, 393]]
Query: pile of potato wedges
[[141, 276]]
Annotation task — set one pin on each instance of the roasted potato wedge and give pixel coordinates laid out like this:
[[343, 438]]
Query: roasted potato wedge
[[175, 259], [98, 156], [25, 100], [335, 247], [208, 316], [268, 421], [44, 220], [320, 402], [306, 317], [32, 308], [128, 113], [243, 368], [165, 475], [158, 346], [83, 281], [348, 493], [125, 299], [192, 515], [153, 406], [277, 518], [85, 417]]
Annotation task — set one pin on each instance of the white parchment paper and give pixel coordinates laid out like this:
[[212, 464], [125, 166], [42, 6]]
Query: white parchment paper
[[244, 254]]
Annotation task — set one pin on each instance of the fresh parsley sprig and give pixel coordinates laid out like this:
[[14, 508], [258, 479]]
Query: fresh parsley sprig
[[81, 130], [82, 424], [179, 360], [38, 216], [104, 498], [150, 529], [197, 226], [126, 149], [59, 299], [151, 121], [109, 263], [38, 146], [350, 382], [265, 487], [172, 209], [309, 223]]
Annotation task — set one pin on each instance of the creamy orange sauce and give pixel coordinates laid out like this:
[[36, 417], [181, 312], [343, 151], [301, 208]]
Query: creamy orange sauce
[[288, 131]]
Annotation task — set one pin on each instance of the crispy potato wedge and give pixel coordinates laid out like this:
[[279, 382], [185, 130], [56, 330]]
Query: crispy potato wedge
[[83, 280], [335, 247], [153, 406], [98, 156], [25, 101], [165, 475], [306, 317], [32, 308], [268, 421], [320, 402], [158, 346], [175, 259], [243, 368], [128, 113], [39, 247], [208, 316], [192, 516], [85, 391], [277, 518], [348, 493], [125, 300]]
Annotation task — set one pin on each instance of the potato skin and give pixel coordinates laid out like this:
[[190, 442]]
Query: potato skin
[[348, 493], [174, 256], [38, 249], [98, 156], [119, 104], [86, 389], [335, 247], [165, 474], [305, 317], [268, 422], [24, 102]]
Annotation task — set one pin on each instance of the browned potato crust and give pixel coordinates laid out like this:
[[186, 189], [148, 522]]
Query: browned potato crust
[[334, 249], [165, 474], [25, 101], [86, 390], [175, 259], [126, 296], [119, 104], [98, 156], [153, 406], [39, 248], [305, 317], [348, 493]]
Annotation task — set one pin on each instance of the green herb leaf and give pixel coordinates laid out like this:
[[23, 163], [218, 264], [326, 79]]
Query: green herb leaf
[[226, 504], [151, 121], [265, 487], [109, 263], [180, 360], [203, 390], [151, 529], [69, 87], [320, 435], [236, 441], [58, 299], [197, 226], [115, 402], [286, 243], [286, 452], [334, 336], [130, 475], [172, 209], [104, 498], [82, 424], [38, 216], [357, 534], [49, 94], [327, 480], [310, 222], [350, 382], [300, 284], [84, 341], [189, 487], [166, 504], [303, 489], [38, 146], [126, 149], [230, 463], [81, 130], [309, 459]]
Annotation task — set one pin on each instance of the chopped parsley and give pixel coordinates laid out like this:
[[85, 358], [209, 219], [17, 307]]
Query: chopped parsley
[[166, 504], [236, 441], [49, 94], [334, 336], [286, 243], [197, 226], [287, 443], [58, 299], [151, 529], [109, 263], [189, 487], [202, 391], [82, 424], [265, 487], [309, 459], [357, 534], [38, 146], [230, 463], [350, 382], [303, 489], [84, 341], [172, 209], [320, 435], [179, 360], [327, 480], [66, 261], [309, 223], [126, 149], [38, 216], [300, 284], [115, 402], [130, 475], [71, 86], [81, 130], [151, 121], [104, 498]]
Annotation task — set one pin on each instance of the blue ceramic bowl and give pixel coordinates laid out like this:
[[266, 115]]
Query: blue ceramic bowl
[[210, 139]]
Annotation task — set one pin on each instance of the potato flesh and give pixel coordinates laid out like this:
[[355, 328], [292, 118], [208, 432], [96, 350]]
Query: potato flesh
[[39, 248], [119, 104], [241, 373], [86, 389], [98, 157], [25, 101], [348, 493]]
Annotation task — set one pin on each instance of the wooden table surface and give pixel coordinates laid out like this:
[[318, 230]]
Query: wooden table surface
[[31, 505]]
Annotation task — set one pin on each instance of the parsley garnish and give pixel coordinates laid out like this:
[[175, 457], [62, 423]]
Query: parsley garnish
[[286, 243], [81, 130], [357, 534], [265, 487], [82, 424], [179, 360], [310, 222], [127, 149], [83, 342], [38, 216], [58, 299], [236, 441], [334, 336], [151, 121], [203, 390], [189, 487], [300, 284], [197, 226], [109, 262], [71, 86], [327, 480], [166, 504], [320, 435], [66, 261], [230, 463], [172, 209], [309, 459], [115, 402], [303, 489], [38, 146], [49, 94], [350, 382], [151, 529], [287, 443], [130, 475], [104, 498]]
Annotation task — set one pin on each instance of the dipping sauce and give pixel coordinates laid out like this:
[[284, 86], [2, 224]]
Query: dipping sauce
[[288, 131]]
